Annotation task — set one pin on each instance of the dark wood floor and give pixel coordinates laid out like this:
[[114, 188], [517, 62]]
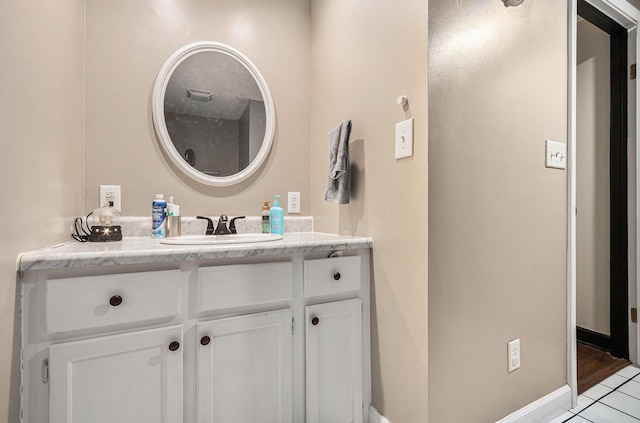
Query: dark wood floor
[[595, 365]]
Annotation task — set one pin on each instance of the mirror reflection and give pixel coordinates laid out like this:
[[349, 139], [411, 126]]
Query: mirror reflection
[[213, 113]]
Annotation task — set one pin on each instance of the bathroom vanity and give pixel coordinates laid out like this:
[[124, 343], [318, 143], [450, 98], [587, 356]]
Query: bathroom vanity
[[137, 331]]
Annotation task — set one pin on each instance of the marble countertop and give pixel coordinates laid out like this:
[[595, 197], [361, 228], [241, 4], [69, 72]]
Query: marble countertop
[[145, 250]]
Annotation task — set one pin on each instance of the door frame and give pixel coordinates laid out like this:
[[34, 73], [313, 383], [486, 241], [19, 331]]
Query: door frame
[[618, 341], [629, 17]]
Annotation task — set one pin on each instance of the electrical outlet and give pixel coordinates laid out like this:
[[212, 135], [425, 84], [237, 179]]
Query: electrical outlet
[[110, 193], [513, 355], [294, 203]]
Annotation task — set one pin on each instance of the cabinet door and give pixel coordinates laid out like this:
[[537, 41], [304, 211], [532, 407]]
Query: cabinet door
[[244, 369], [334, 362], [128, 378]]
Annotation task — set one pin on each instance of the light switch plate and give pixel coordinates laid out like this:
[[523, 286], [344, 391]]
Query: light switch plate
[[404, 139], [556, 154]]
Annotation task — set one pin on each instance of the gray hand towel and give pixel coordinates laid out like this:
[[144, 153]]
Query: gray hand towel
[[339, 183]]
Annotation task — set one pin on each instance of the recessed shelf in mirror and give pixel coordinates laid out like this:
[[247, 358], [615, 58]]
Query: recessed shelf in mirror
[[213, 113]]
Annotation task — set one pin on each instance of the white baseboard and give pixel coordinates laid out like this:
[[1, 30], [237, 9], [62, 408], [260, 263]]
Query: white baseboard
[[544, 409], [375, 417]]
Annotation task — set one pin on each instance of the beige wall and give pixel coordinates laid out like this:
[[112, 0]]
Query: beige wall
[[42, 166], [364, 55], [127, 43], [592, 179], [497, 216]]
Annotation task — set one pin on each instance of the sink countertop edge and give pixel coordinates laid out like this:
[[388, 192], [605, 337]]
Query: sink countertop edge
[[146, 250]]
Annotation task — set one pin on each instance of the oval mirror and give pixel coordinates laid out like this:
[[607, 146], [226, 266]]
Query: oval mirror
[[213, 113]]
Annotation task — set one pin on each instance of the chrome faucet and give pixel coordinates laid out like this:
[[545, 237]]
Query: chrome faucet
[[221, 229]]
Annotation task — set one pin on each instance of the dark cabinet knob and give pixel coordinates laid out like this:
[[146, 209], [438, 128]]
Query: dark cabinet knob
[[315, 321], [337, 276], [205, 340], [115, 301], [174, 346]]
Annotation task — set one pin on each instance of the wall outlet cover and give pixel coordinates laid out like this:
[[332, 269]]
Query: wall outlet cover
[[513, 355], [110, 193], [293, 205]]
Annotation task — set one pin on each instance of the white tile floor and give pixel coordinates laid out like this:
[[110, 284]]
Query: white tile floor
[[614, 400]]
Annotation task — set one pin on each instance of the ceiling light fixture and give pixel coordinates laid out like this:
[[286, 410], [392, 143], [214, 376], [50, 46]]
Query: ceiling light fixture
[[199, 95], [508, 3]]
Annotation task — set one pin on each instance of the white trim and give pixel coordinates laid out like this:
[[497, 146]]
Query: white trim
[[620, 11], [572, 367], [157, 110], [375, 416], [544, 409]]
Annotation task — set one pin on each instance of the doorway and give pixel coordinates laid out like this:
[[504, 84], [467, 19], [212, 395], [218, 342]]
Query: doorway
[[602, 300]]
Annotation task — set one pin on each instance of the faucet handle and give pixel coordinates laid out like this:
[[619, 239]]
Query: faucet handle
[[209, 224], [232, 225]]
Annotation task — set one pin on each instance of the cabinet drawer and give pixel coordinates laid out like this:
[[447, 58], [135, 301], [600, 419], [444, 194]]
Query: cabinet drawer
[[232, 286], [331, 275], [106, 300]]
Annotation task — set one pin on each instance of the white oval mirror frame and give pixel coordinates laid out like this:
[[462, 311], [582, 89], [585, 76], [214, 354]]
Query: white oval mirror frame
[[158, 112]]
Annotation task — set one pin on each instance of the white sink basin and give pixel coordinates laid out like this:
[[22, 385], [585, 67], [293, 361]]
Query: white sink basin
[[220, 239]]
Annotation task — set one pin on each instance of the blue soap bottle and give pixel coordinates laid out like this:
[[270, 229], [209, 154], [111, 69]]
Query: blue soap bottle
[[276, 217]]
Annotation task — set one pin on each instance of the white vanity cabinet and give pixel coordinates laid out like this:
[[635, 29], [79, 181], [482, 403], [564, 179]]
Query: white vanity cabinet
[[277, 337], [333, 341], [126, 378], [244, 362], [244, 369], [334, 362], [102, 348]]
